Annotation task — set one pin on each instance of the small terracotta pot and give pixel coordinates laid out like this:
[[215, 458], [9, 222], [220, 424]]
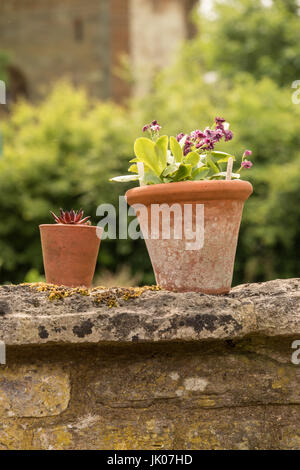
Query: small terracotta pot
[[215, 214], [70, 253]]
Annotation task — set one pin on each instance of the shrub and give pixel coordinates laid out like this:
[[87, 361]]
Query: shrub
[[59, 153]]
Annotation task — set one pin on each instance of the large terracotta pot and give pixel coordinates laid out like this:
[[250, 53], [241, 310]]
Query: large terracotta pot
[[206, 263], [70, 253]]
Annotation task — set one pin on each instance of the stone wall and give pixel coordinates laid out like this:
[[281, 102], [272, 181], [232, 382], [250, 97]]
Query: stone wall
[[157, 30], [143, 369], [84, 41], [50, 39]]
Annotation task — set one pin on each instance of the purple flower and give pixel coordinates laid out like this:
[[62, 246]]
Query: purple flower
[[219, 121], [197, 134], [247, 153], [247, 164], [186, 150], [187, 146], [218, 134], [209, 144], [214, 136], [155, 128], [209, 132], [179, 136], [220, 128], [206, 144], [228, 135]]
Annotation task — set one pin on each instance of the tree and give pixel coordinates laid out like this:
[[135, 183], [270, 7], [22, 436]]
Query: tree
[[255, 36]]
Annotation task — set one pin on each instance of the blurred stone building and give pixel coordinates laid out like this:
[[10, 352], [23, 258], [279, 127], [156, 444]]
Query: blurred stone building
[[88, 42]]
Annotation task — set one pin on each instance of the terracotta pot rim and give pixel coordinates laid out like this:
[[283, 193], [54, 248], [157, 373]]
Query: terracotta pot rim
[[73, 226], [190, 191]]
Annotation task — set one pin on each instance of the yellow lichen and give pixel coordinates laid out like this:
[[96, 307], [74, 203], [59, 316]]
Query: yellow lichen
[[14, 436], [55, 292], [63, 438], [99, 294], [134, 292]]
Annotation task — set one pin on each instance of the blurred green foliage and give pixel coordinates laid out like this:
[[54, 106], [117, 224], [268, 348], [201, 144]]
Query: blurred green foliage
[[62, 151], [247, 35]]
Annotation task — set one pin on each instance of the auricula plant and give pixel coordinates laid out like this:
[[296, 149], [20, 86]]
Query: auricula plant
[[187, 157]]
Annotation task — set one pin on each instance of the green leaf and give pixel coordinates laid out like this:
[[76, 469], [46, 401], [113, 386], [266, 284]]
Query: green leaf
[[183, 172], [125, 178], [169, 170], [223, 160], [145, 151], [200, 173], [161, 149], [212, 165], [134, 160], [176, 150], [222, 157], [151, 178], [133, 168], [221, 154], [192, 158]]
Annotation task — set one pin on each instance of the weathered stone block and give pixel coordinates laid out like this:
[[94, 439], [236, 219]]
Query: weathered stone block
[[15, 436], [30, 391]]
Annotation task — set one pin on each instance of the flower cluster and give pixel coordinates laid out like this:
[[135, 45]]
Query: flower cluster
[[207, 139], [153, 128], [246, 164], [188, 157]]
